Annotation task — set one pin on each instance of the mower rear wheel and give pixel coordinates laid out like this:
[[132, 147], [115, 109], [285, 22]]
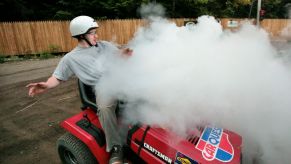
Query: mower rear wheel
[[73, 151]]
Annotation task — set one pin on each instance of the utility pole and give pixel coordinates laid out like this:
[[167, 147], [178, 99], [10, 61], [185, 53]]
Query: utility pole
[[258, 12]]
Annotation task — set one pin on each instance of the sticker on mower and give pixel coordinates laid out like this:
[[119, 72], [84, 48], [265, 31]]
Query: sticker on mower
[[214, 144], [157, 153], [183, 159]]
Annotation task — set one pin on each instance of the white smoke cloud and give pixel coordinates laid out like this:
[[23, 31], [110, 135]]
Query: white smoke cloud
[[179, 77], [151, 10]]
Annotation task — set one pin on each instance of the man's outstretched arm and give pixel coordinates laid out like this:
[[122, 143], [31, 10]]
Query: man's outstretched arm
[[40, 87]]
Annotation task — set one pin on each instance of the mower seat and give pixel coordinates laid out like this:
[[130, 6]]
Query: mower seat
[[87, 95], [88, 99]]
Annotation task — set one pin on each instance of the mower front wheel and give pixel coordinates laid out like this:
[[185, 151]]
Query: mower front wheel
[[73, 151]]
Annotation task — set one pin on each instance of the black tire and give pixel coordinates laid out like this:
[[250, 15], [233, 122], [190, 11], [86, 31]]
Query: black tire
[[73, 151]]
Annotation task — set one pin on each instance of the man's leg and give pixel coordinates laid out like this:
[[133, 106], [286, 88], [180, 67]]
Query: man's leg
[[108, 120]]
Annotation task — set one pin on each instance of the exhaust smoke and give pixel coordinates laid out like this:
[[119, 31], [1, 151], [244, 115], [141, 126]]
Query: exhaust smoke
[[180, 77]]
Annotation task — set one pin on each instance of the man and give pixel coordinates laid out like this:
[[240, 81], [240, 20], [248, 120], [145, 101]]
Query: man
[[86, 61]]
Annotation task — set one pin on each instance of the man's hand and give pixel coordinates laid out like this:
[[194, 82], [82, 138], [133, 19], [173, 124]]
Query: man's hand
[[37, 88], [127, 52]]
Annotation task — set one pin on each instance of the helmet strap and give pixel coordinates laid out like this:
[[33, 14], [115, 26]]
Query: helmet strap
[[87, 41]]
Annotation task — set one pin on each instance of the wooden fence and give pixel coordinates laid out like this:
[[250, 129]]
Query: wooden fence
[[19, 38]]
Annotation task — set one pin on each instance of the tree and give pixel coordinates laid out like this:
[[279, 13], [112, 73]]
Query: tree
[[20, 10]]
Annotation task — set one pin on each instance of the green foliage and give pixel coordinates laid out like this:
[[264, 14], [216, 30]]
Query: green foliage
[[54, 48], [62, 15], [13, 58], [15, 10], [45, 55], [202, 1], [244, 2], [2, 59]]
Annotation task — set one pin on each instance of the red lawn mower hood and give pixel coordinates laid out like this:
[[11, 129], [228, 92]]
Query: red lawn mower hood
[[208, 145]]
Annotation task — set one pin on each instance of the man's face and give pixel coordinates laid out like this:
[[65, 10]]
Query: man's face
[[92, 36]]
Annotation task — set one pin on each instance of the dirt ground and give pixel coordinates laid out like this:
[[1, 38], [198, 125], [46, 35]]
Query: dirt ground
[[30, 126]]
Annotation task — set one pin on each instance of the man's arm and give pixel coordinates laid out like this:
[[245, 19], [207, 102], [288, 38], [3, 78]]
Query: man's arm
[[40, 87]]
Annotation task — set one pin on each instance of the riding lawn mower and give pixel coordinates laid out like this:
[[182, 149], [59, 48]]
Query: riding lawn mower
[[84, 142]]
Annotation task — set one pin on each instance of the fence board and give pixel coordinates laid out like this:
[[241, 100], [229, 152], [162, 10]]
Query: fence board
[[18, 38]]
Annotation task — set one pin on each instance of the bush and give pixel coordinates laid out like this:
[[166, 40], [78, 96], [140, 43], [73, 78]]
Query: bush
[[54, 48], [2, 59], [45, 55]]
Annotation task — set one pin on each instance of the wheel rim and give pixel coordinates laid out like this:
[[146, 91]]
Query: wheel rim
[[69, 157]]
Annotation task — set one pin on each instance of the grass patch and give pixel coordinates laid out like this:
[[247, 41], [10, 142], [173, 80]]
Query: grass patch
[[45, 55], [2, 59], [52, 51], [41, 56]]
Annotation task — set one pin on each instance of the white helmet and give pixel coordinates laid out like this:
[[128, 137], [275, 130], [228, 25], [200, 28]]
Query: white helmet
[[81, 24]]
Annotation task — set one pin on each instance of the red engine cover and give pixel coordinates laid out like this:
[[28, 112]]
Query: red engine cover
[[208, 145]]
